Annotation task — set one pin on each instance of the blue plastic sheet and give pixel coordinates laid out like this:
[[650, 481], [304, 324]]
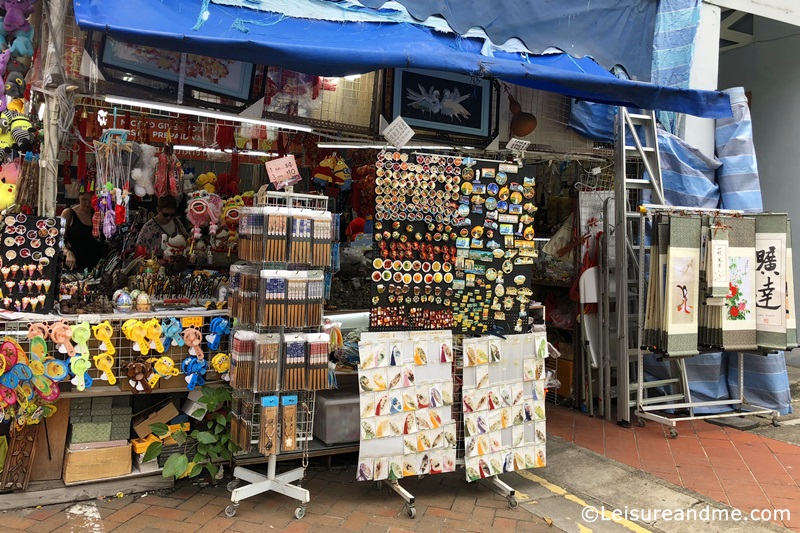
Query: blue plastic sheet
[[338, 49]]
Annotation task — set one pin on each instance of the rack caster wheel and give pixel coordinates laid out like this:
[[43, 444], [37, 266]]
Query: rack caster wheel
[[230, 511], [512, 502], [378, 485], [411, 511], [642, 422], [231, 486], [673, 433], [300, 512], [775, 422]]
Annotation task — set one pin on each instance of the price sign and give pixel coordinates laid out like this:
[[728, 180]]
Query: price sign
[[517, 145], [398, 133], [283, 171]]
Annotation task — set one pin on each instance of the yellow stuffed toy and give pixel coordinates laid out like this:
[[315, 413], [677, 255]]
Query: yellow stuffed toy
[[207, 181]]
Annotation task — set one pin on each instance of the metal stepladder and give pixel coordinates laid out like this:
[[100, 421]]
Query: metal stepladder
[[636, 153]]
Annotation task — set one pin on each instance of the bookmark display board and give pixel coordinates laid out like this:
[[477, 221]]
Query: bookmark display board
[[406, 395], [31, 249], [504, 409], [454, 244], [415, 221]]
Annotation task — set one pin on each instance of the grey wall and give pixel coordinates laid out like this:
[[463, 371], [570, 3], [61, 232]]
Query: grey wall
[[770, 70]]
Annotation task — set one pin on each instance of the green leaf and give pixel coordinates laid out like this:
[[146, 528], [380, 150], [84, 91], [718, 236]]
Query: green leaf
[[213, 454], [200, 458], [198, 413], [225, 454], [205, 437], [221, 420], [205, 399], [202, 448], [210, 424], [152, 451], [212, 469], [175, 465], [219, 429], [180, 437], [194, 434], [196, 469], [159, 430], [223, 439]]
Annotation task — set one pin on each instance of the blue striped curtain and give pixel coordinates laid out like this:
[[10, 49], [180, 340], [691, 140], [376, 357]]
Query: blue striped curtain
[[738, 175]]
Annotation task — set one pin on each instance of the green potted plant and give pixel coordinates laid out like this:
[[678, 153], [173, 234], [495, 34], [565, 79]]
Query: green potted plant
[[200, 449]]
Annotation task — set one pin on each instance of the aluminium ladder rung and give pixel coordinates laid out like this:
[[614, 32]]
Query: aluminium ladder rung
[[654, 384], [663, 399], [640, 119], [638, 184], [647, 149]]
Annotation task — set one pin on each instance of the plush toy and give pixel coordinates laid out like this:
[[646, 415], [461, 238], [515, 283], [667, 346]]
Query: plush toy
[[145, 169], [203, 209], [17, 13], [207, 182], [21, 129], [341, 175], [323, 173], [188, 180], [22, 45], [15, 79], [227, 186]]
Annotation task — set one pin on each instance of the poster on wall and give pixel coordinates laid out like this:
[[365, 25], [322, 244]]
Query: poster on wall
[[225, 77], [406, 396], [504, 410]]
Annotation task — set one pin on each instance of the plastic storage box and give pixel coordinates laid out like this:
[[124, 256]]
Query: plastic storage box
[[336, 416]]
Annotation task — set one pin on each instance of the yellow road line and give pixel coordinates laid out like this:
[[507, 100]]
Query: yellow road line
[[555, 489]]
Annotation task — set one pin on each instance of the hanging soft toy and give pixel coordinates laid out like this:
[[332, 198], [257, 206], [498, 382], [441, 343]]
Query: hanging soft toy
[[172, 333], [15, 79], [323, 173], [341, 175], [22, 45], [17, 13], [22, 130], [144, 172]]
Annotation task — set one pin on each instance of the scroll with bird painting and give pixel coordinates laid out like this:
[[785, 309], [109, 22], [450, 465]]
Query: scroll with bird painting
[[739, 317]]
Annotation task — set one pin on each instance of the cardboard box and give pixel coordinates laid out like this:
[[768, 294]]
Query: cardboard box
[[192, 404], [100, 463], [161, 413]]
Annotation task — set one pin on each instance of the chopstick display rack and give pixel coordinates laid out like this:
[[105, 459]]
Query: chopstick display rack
[[279, 353]]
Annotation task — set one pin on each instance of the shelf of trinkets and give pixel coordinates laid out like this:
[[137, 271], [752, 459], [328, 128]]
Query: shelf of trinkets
[[31, 247], [414, 239]]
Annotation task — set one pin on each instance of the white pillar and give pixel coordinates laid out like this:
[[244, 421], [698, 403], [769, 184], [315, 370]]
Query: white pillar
[[699, 132]]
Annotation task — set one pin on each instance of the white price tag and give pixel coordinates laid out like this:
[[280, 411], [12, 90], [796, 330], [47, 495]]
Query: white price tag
[[517, 145], [398, 133], [283, 171]]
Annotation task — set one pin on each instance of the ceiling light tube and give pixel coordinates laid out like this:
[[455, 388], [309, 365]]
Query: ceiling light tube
[[191, 111], [253, 153], [379, 146]]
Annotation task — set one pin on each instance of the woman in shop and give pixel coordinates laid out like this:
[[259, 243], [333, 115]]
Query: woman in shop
[[165, 222], [82, 251]]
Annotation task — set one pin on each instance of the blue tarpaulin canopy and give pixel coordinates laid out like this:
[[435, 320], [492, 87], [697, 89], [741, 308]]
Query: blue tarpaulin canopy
[[328, 48]]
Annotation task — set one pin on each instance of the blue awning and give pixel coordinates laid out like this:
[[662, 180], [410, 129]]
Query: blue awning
[[337, 49]]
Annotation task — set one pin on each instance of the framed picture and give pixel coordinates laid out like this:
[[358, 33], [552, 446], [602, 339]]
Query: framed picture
[[223, 77], [443, 102]]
